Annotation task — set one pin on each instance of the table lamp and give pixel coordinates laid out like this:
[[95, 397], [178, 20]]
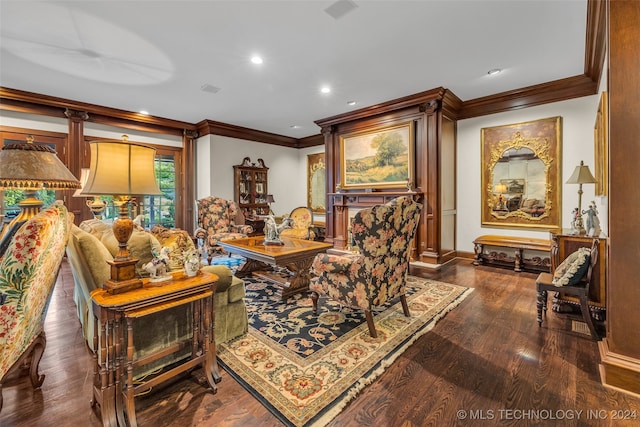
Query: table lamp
[[500, 189], [96, 205], [31, 167], [270, 200], [121, 169], [581, 175]]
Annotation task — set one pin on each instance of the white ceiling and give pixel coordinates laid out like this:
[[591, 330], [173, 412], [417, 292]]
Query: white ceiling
[[157, 55]]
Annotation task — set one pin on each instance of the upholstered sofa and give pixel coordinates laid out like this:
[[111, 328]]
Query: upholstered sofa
[[28, 273], [88, 249]]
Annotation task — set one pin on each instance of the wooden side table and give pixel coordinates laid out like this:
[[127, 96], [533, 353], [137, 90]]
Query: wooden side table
[[114, 389]]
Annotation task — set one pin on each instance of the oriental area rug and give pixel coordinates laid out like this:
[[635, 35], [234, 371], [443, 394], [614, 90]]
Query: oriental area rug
[[304, 367]]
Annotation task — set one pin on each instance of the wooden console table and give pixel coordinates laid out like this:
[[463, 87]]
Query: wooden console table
[[113, 386], [518, 245]]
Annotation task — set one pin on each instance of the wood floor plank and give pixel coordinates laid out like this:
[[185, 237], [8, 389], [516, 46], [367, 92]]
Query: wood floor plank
[[486, 357]]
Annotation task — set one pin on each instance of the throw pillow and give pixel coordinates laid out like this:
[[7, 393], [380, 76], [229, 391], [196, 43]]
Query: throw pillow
[[573, 268], [95, 254]]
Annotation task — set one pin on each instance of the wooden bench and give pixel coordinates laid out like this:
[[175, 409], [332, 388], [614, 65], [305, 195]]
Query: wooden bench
[[519, 245]]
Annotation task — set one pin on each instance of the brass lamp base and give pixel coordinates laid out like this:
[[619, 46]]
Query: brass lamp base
[[123, 277]]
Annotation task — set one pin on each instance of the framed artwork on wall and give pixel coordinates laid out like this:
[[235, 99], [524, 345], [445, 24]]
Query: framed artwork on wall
[[316, 183], [524, 161], [601, 148], [377, 158]]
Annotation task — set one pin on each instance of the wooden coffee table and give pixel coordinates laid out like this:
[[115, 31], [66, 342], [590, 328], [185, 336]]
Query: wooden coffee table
[[296, 255]]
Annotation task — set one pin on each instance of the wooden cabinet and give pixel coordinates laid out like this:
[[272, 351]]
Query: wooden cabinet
[[251, 187], [566, 244]]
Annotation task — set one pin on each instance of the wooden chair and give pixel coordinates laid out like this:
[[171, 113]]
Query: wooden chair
[[544, 283]]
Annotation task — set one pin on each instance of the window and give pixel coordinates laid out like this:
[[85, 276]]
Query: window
[[162, 209]]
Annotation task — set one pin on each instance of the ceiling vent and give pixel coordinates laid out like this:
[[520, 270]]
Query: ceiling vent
[[209, 88], [340, 8]]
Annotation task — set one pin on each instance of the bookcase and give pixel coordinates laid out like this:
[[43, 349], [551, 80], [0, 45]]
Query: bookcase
[[251, 187]]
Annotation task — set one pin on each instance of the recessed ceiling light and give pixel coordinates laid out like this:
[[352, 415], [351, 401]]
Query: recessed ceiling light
[[494, 71], [351, 103], [256, 60], [325, 89], [144, 112], [295, 126]]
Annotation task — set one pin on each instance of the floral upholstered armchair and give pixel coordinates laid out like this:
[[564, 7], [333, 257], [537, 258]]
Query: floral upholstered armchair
[[219, 219], [377, 273], [302, 224], [28, 272]]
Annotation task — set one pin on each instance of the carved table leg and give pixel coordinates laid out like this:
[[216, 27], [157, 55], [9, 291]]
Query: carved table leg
[[249, 266], [130, 403], [301, 278], [518, 256], [477, 248], [541, 304]]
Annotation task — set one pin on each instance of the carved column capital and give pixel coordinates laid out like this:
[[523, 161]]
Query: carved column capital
[[76, 115]]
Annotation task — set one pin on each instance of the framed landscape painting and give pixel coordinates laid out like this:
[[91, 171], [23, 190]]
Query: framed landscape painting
[[377, 158]]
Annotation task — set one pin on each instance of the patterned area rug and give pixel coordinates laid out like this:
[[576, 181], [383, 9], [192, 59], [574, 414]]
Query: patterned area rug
[[305, 368]]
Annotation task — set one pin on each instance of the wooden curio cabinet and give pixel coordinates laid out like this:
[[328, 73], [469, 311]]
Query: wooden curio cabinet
[[251, 187]]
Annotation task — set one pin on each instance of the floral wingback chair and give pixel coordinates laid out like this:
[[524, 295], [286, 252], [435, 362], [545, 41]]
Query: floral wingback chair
[[377, 274], [302, 224], [28, 272], [217, 219]]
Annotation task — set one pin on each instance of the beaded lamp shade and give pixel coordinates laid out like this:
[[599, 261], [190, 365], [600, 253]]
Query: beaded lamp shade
[[31, 167]]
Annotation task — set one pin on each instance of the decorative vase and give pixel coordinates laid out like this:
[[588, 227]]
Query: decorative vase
[[192, 264]]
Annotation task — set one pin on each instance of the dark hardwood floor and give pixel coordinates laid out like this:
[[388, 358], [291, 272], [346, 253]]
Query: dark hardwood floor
[[485, 363]]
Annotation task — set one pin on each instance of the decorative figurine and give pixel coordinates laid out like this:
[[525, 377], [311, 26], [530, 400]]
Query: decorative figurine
[[574, 225], [593, 223], [409, 186], [158, 266], [191, 262], [272, 230]]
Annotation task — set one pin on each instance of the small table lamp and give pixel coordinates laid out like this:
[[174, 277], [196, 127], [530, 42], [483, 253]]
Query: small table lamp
[[581, 175], [96, 205], [500, 189], [31, 167], [270, 200], [121, 169]]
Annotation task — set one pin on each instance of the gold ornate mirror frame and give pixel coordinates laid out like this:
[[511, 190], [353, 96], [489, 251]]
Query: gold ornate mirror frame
[[316, 183], [501, 206]]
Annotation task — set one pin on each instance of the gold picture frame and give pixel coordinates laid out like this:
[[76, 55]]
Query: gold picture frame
[[601, 148], [377, 158], [316, 183], [530, 152]]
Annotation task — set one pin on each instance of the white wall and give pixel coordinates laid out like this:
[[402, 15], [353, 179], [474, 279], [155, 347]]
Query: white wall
[[578, 118], [216, 155]]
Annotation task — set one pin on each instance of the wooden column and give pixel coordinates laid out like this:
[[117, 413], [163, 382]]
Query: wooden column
[[189, 180], [77, 158], [620, 350]]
